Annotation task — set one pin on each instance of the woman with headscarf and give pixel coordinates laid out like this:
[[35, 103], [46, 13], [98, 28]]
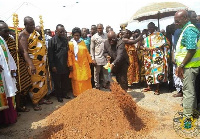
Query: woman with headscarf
[[79, 61]]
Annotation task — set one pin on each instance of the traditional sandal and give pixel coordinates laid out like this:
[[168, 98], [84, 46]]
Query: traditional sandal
[[146, 89], [37, 107], [157, 92], [23, 109], [45, 102]]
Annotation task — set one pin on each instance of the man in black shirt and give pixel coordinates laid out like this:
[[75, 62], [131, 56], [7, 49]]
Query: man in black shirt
[[115, 50], [58, 56]]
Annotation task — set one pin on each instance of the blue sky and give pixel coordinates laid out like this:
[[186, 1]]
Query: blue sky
[[84, 13]]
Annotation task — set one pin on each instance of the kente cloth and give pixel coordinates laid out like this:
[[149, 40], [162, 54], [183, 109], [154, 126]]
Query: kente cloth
[[155, 60], [141, 65], [7, 82], [37, 53], [133, 69], [140, 54], [81, 73], [25, 78], [9, 116], [3, 99]]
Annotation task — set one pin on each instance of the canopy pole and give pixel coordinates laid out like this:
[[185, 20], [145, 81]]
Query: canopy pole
[[158, 21]]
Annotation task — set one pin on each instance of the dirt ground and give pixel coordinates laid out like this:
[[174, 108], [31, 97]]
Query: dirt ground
[[164, 107]]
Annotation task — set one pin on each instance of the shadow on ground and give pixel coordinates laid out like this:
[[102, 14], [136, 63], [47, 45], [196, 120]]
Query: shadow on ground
[[137, 95]]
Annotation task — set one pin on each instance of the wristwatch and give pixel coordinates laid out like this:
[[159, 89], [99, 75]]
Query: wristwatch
[[181, 65]]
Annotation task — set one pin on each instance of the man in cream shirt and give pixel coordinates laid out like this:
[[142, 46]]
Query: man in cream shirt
[[96, 50]]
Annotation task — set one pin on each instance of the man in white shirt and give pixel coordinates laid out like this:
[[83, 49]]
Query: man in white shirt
[[96, 50]]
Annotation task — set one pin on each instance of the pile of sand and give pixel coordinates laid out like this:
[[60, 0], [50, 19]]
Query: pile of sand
[[96, 114]]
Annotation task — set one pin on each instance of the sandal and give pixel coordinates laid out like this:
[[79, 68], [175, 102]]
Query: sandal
[[146, 89], [157, 92], [23, 109], [45, 102], [37, 107]]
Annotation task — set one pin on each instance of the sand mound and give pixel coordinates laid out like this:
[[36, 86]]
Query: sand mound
[[96, 114]]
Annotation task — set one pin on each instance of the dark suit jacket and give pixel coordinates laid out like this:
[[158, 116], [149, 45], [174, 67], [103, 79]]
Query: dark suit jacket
[[118, 54], [58, 54]]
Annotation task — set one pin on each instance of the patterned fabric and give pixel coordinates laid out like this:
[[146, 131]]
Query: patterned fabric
[[155, 60], [140, 54], [81, 74], [133, 69], [3, 98], [37, 52], [9, 116], [25, 78], [190, 37], [178, 84], [13, 29]]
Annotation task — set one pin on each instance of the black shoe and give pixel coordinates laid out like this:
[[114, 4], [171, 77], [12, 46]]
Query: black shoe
[[66, 97], [60, 100]]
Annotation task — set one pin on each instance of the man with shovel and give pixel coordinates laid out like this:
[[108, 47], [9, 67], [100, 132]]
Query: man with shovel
[[115, 52]]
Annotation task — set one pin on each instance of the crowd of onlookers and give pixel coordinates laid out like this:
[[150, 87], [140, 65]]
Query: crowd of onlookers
[[41, 63]]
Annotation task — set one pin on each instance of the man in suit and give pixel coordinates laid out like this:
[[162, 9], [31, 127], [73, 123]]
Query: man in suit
[[58, 56], [114, 49]]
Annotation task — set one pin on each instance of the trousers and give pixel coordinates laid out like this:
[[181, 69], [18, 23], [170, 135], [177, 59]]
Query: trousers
[[189, 93], [121, 76], [61, 84], [97, 77]]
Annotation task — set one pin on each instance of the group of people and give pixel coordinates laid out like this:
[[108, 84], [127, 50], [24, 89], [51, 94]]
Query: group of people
[[44, 64]]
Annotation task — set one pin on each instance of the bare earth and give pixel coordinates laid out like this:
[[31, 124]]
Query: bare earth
[[164, 107]]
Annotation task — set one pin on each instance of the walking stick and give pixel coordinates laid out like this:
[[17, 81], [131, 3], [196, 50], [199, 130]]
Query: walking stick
[[43, 41], [16, 23]]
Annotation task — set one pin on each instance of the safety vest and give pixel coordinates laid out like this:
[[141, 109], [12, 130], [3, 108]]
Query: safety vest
[[181, 52]]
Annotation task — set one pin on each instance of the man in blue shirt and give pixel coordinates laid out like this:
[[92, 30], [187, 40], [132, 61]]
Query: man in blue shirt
[[186, 58], [192, 16], [85, 38]]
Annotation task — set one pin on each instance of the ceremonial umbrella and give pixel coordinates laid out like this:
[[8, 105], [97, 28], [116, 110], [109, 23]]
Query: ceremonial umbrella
[[157, 11]]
